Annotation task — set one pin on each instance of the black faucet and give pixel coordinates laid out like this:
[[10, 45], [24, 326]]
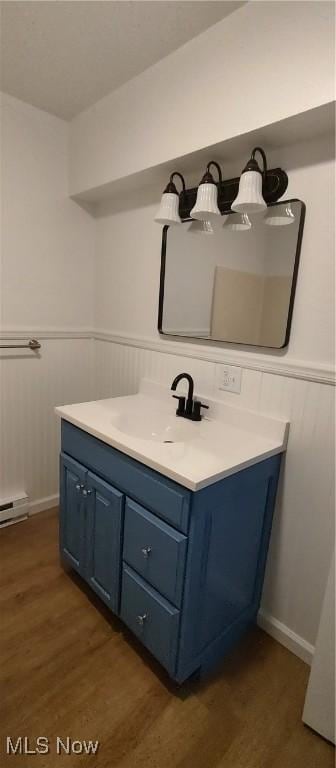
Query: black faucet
[[190, 408]]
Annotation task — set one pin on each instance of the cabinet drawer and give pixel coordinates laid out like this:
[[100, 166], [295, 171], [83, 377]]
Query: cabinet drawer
[[166, 498], [155, 550], [152, 619]]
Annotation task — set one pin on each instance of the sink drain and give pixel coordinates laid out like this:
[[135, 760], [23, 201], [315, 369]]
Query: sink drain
[[168, 441]]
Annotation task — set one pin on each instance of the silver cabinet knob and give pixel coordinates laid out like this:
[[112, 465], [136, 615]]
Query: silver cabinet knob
[[142, 618], [87, 492], [146, 551], [79, 486]]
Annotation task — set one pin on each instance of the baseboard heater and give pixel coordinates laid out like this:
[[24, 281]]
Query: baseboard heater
[[13, 510]]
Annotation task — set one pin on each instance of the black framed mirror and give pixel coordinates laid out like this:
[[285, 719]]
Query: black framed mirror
[[233, 281]]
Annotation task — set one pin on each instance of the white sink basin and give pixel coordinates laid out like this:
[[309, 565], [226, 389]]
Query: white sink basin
[[156, 427], [194, 454]]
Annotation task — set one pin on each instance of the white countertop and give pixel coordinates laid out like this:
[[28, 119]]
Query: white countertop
[[227, 440]]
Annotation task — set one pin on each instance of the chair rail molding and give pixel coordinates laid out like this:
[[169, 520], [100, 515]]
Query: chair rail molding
[[297, 369], [208, 351], [45, 332]]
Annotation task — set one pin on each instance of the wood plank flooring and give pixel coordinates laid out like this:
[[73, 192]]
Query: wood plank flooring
[[68, 668]]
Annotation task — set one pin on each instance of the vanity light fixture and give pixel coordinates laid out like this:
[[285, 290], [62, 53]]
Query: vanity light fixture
[[168, 212], [206, 206], [238, 222], [212, 200], [250, 198], [279, 216]]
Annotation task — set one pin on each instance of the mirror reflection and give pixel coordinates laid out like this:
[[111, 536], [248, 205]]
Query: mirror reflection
[[232, 281]]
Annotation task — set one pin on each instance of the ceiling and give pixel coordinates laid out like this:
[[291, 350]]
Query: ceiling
[[62, 56]]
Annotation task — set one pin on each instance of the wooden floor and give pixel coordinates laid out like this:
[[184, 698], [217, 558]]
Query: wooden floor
[[68, 668]]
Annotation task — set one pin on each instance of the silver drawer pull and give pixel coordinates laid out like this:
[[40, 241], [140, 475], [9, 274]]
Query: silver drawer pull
[[146, 551], [79, 486], [87, 492], [142, 618]]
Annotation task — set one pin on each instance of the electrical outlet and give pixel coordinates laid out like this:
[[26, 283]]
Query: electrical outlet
[[229, 378]]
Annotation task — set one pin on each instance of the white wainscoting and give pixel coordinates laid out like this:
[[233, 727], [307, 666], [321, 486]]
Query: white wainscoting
[[276, 363], [31, 384], [303, 526]]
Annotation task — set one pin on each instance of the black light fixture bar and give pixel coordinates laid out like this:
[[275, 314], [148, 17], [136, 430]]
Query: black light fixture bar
[[275, 183]]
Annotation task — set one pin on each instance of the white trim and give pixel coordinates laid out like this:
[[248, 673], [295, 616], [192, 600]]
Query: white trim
[[41, 505], [46, 333], [296, 369], [210, 352], [296, 644]]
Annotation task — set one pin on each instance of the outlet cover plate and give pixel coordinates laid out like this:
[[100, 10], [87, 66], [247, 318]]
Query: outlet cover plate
[[229, 378]]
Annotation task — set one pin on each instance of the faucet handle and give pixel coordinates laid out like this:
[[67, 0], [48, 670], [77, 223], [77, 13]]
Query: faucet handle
[[180, 410], [196, 414]]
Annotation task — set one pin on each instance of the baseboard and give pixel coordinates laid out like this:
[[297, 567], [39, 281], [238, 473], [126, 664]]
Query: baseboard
[[286, 637], [41, 505]]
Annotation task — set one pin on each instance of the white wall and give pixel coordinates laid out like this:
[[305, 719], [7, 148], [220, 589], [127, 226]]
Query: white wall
[[47, 240], [47, 264], [249, 70], [127, 282]]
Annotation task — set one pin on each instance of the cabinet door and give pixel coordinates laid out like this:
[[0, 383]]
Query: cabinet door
[[105, 507], [72, 513]]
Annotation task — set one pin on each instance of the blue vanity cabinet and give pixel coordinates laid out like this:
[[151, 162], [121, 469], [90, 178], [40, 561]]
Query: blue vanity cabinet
[[103, 539], [230, 526], [183, 570], [73, 513], [90, 529]]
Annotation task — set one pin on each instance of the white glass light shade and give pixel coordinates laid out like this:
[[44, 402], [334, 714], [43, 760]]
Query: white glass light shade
[[200, 227], [279, 216], [206, 208], [168, 212], [249, 198], [238, 222]]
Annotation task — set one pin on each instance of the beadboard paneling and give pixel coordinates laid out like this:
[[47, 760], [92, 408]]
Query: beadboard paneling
[[31, 385], [302, 537], [279, 365]]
